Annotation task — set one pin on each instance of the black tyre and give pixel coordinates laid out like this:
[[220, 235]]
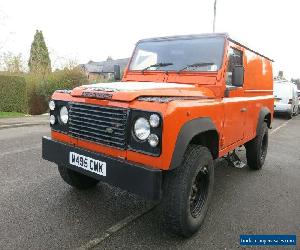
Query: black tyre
[[188, 191], [257, 148], [76, 179], [297, 111]]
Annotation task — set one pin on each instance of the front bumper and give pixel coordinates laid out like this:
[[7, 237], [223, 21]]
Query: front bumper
[[137, 179]]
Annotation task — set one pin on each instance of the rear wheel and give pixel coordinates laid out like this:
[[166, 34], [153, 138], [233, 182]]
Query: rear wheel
[[257, 148], [76, 179], [188, 191], [297, 111]]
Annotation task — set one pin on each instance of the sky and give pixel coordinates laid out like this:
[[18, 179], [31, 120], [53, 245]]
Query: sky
[[93, 29]]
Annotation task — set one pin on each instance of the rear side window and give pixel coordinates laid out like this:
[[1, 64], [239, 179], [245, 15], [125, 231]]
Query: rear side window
[[235, 57], [283, 90]]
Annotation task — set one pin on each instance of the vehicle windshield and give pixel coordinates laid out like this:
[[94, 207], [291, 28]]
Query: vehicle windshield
[[196, 54]]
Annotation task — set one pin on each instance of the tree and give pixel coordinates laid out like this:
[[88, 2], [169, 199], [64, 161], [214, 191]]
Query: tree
[[12, 63], [39, 60], [297, 82]]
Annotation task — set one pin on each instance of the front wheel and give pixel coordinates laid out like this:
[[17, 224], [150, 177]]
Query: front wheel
[[76, 179], [188, 191], [257, 148]]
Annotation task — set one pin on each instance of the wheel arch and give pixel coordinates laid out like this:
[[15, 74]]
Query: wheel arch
[[264, 116], [200, 131]]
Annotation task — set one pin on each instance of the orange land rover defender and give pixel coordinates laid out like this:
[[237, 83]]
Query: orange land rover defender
[[183, 102]]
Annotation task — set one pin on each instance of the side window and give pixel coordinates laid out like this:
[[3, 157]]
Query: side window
[[235, 57]]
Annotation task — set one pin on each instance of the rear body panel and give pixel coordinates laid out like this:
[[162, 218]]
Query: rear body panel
[[286, 97]]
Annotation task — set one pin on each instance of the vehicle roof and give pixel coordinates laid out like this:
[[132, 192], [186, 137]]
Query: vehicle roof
[[234, 41], [192, 36], [162, 38], [284, 82]]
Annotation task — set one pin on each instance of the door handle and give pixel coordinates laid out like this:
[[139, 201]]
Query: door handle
[[243, 109]]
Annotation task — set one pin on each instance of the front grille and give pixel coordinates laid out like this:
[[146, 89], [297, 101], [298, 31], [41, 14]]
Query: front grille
[[105, 125]]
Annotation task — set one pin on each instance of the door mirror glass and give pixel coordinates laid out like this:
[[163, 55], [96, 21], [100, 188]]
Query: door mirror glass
[[238, 76]]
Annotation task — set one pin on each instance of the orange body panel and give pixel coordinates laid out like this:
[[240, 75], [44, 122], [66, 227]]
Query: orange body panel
[[235, 115]]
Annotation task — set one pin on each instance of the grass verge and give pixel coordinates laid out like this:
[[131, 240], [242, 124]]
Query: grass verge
[[10, 114]]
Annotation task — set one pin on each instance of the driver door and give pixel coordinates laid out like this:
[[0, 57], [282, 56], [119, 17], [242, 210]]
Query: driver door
[[234, 107]]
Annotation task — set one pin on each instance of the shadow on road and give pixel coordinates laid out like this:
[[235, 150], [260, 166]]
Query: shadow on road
[[282, 117]]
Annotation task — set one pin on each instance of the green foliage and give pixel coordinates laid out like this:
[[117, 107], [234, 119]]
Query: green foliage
[[36, 102], [62, 79], [13, 96], [40, 88], [39, 61], [30, 93], [10, 114], [12, 63]]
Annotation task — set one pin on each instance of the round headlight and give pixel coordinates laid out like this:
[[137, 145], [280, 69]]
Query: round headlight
[[142, 128], [64, 114], [153, 140], [51, 105], [154, 120], [52, 119]]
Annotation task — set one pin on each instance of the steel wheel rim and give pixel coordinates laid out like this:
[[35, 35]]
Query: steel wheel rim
[[264, 144], [199, 192]]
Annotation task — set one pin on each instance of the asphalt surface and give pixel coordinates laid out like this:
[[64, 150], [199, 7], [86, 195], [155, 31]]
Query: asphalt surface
[[39, 211], [25, 121]]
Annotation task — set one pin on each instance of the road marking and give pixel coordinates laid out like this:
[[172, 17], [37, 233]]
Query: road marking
[[281, 126], [123, 223], [16, 151], [113, 229]]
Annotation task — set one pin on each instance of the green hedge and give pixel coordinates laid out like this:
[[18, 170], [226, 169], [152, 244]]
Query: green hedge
[[62, 79], [30, 93], [13, 96], [41, 88]]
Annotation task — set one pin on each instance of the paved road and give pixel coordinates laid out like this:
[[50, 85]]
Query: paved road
[[24, 121], [39, 211]]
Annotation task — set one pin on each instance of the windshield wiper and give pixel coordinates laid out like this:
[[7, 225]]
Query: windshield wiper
[[158, 65], [200, 64]]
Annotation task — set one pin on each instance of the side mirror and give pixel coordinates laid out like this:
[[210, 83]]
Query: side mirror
[[238, 76], [117, 72]]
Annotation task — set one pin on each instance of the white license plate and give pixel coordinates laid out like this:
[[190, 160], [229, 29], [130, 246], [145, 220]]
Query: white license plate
[[87, 163]]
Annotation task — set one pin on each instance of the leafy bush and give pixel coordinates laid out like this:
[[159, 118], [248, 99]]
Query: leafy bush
[[30, 93], [40, 88], [13, 96], [62, 79]]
